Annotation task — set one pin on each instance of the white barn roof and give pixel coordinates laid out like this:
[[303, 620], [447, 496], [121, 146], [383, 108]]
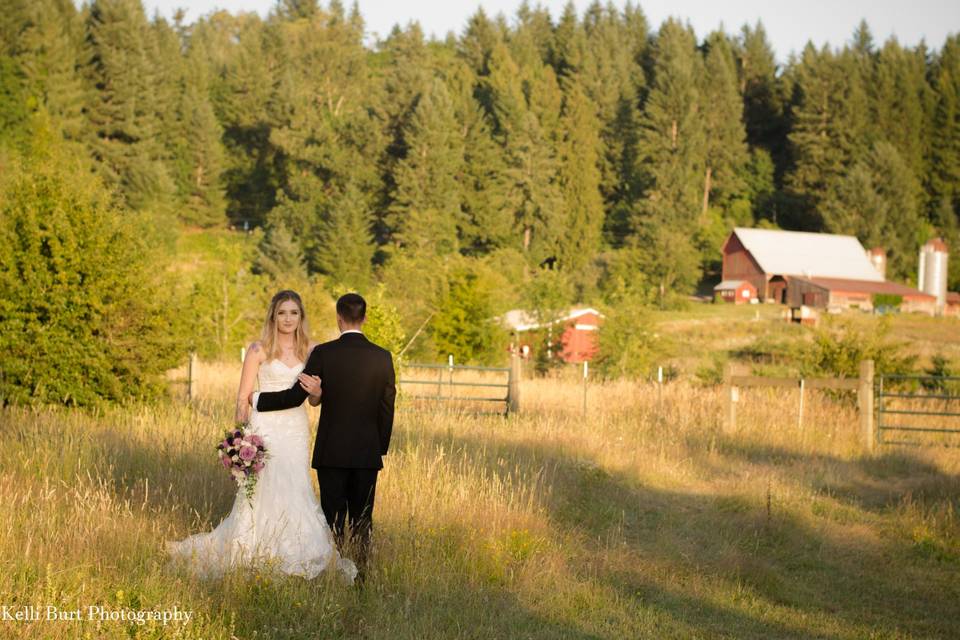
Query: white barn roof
[[798, 253], [520, 320]]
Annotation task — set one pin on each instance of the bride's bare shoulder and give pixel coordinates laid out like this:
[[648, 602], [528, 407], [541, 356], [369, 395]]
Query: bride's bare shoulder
[[256, 352]]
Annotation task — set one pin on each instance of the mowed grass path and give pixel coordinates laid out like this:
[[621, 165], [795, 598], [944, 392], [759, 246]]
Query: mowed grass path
[[634, 522]]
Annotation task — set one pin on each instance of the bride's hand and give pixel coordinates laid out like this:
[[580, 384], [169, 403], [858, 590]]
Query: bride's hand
[[310, 384], [243, 413]]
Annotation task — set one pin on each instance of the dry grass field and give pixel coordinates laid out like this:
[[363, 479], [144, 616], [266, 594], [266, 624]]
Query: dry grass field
[[639, 520]]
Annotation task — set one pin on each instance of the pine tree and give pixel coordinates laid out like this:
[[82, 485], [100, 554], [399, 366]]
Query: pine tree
[[14, 112], [580, 180], [122, 120], [878, 200], [828, 131], [569, 48], [295, 9], [50, 48], [345, 241], [477, 44], [533, 194], [200, 149], [672, 143], [764, 99], [406, 76], [726, 149], [487, 222], [426, 200], [246, 103], [536, 24], [614, 80], [279, 256], [899, 111], [324, 129], [944, 164]]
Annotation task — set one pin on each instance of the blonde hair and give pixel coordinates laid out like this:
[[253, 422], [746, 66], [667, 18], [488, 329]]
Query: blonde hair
[[301, 338]]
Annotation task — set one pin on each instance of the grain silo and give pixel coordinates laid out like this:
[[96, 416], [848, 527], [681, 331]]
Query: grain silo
[[932, 275]]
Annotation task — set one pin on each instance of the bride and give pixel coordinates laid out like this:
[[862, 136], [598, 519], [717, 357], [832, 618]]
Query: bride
[[283, 525]]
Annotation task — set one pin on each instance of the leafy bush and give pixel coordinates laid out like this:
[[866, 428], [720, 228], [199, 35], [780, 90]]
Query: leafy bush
[[887, 301], [939, 372], [464, 324], [383, 324], [839, 346], [84, 316], [628, 345], [711, 374], [222, 302]]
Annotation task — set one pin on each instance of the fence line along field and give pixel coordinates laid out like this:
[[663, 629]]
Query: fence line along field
[[642, 519]]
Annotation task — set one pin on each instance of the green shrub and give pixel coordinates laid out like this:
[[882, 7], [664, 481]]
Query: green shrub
[[84, 316], [383, 324], [940, 372], [628, 345], [464, 323], [887, 301], [839, 347]]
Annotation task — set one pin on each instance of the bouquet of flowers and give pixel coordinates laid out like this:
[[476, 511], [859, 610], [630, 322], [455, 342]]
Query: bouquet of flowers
[[244, 455]]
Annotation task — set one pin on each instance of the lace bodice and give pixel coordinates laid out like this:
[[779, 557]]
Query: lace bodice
[[274, 375]]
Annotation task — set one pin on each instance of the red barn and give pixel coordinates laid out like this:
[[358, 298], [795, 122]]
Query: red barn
[[817, 270], [952, 306], [769, 258]]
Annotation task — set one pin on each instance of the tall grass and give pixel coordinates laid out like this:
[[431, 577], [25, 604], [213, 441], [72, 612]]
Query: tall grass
[[640, 519]]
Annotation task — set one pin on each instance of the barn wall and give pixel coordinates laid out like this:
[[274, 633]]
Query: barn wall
[[738, 264], [801, 292]]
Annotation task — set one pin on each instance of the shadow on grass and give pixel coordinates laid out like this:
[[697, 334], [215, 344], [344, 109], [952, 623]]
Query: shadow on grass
[[753, 575], [871, 482]]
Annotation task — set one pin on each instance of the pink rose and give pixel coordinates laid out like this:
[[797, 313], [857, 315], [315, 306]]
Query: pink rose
[[248, 453], [226, 462], [256, 440], [257, 467], [236, 442]]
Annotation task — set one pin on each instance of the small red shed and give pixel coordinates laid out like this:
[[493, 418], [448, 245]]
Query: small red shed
[[735, 291], [579, 338], [577, 331]]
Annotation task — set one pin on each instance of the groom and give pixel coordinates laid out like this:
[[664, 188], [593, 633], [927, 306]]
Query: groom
[[356, 419]]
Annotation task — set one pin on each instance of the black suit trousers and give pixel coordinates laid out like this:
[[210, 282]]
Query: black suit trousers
[[349, 493]]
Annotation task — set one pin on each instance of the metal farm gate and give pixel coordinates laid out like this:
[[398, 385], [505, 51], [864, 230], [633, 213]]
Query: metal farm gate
[[444, 388], [926, 406]]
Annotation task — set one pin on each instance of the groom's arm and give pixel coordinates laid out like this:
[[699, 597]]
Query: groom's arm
[[385, 419], [295, 395]]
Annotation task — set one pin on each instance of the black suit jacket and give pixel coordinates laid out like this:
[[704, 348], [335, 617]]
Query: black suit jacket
[[356, 408]]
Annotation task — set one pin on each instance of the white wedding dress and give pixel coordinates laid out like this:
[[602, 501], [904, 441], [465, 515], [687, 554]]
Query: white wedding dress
[[283, 524]]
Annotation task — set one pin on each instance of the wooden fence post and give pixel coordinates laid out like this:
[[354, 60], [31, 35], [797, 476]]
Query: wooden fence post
[[513, 385], [192, 377], [731, 393], [660, 392], [865, 400], [450, 365], [800, 410], [586, 370]]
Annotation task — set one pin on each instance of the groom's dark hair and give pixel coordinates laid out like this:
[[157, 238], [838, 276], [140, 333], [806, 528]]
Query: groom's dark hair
[[352, 308]]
